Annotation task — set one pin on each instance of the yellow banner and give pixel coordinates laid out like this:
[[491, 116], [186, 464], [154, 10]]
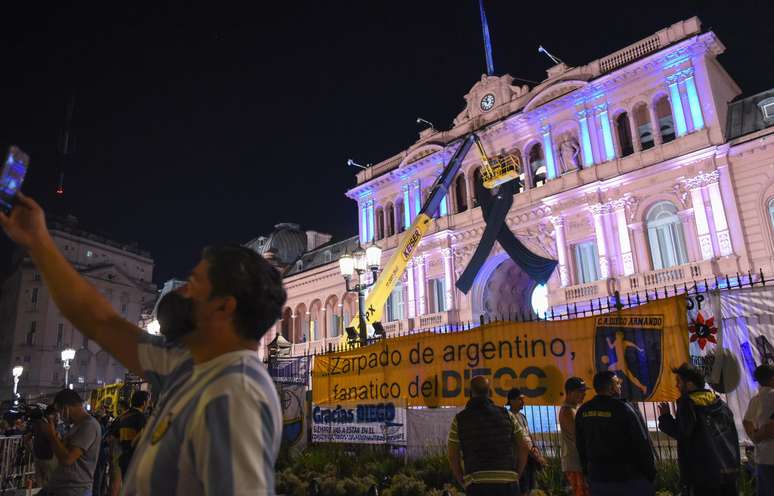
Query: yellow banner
[[641, 345]]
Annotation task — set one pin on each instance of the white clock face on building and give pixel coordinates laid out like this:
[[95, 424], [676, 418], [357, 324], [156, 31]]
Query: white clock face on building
[[487, 102]]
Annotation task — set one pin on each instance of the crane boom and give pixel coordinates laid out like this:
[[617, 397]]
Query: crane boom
[[407, 247]]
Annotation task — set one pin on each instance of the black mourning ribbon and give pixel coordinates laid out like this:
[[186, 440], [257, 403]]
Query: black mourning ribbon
[[494, 208]]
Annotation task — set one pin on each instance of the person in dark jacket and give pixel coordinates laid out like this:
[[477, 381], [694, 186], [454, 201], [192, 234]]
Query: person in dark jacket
[[707, 441], [613, 443], [488, 441]]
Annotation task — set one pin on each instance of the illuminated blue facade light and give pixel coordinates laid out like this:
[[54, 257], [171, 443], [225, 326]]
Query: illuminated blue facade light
[[607, 135], [417, 198], [693, 102], [406, 208], [548, 151], [363, 223], [370, 221], [677, 109], [588, 155]]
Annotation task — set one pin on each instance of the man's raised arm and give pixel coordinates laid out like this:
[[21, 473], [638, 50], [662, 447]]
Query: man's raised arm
[[79, 301]]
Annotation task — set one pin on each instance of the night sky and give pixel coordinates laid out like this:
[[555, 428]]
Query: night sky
[[203, 124]]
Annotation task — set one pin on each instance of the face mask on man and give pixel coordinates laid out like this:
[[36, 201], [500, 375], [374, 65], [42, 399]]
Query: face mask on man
[[175, 314]]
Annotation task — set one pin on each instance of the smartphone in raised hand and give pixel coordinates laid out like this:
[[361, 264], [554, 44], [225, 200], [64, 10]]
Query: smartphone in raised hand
[[12, 177]]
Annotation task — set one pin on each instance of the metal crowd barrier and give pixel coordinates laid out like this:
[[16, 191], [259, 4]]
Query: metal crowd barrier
[[15, 465]]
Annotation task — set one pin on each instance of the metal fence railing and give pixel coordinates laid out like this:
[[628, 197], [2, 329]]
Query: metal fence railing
[[543, 420], [16, 466]]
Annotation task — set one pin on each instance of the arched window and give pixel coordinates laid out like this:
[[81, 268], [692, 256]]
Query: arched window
[[301, 332], [771, 212], [624, 133], [476, 179], [399, 216], [537, 165], [379, 223], [315, 323], [461, 193], [389, 219], [666, 122], [644, 129], [665, 236], [287, 321], [333, 317]]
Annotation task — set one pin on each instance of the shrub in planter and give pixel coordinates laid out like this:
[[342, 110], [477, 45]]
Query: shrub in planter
[[405, 485]]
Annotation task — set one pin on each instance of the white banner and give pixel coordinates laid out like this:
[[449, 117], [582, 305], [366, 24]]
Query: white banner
[[368, 423], [748, 333]]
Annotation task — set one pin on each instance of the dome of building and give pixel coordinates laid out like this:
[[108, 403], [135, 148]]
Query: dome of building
[[285, 244]]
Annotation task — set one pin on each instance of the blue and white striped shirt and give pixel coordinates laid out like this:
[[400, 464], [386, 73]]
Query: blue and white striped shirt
[[216, 428]]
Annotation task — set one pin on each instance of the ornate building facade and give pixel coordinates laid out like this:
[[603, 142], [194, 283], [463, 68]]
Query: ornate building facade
[[642, 169]]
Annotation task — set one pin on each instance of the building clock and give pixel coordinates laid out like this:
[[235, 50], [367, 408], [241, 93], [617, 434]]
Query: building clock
[[487, 102]]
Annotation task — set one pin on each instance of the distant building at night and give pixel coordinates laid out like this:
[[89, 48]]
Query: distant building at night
[[33, 332], [641, 170]]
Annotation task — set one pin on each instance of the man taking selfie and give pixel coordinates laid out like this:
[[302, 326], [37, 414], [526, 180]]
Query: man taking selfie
[[210, 387]]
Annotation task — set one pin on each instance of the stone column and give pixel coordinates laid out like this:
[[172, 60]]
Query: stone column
[[655, 127], [641, 247], [585, 138], [635, 132], [678, 115], [421, 284], [702, 226], [598, 210], [448, 276], [561, 250], [411, 303], [624, 241], [719, 216], [552, 171], [608, 148]]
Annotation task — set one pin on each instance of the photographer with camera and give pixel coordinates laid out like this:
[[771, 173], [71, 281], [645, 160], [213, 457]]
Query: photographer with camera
[[37, 442], [77, 452]]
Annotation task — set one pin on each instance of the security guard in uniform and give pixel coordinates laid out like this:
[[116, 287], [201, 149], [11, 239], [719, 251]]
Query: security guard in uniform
[[613, 443]]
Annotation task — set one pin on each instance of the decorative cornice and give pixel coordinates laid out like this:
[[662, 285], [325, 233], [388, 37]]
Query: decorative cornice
[[701, 179]]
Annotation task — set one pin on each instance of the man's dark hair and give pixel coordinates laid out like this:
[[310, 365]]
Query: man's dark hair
[[67, 397], [764, 373], [257, 287], [603, 381], [689, 373], [479, 386], [139, 398]]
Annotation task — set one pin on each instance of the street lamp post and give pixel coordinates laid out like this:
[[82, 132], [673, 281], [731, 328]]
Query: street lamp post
[[67, 355], [17, 372], [360, 262]]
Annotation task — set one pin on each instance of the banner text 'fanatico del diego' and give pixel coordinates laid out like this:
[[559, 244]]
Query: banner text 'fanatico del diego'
[[640, 344]]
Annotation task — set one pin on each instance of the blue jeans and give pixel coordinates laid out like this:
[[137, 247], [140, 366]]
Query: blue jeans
[[765, 476], [638, 487]]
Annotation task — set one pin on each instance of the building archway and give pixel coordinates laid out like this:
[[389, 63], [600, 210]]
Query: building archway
[[502, 290]]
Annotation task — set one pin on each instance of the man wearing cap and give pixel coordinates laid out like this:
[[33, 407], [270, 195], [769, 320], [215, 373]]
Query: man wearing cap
[[705, 431], [574, 394], [488, 442], [535, 460]]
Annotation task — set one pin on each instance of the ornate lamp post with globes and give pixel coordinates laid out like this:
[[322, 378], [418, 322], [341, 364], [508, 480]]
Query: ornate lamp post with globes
[[67, 355], [360, 262]]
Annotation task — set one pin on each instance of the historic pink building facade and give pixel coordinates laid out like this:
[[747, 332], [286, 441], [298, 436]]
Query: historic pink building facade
[[638, 173]]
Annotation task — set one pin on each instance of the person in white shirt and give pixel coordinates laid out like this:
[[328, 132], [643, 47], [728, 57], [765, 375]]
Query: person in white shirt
[[217, 426], [759, 425]]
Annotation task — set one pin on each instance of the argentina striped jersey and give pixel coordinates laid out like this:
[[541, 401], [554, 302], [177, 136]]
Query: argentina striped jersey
[[216, 428]]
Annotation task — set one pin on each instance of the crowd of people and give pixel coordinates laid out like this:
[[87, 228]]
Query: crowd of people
[[75, 452], [606, 447]]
